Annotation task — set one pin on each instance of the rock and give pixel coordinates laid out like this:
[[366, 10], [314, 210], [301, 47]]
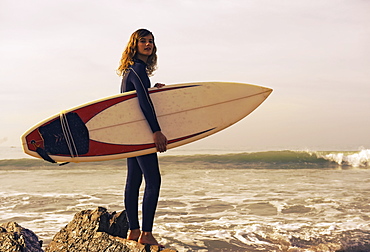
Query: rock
[[14, 238], [90, 230], [97, 230]]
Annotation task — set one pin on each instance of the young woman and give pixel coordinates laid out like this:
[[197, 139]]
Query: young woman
[[139, 60]]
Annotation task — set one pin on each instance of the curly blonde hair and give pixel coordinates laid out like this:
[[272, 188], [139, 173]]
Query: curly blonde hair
[[129, 53]]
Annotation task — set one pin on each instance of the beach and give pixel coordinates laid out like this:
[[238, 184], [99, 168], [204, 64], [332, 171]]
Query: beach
[[251, 201]]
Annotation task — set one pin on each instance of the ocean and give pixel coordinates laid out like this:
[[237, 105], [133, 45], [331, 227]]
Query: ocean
[[244, 201]]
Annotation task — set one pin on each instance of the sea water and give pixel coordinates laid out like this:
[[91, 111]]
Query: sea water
[[255, 201]]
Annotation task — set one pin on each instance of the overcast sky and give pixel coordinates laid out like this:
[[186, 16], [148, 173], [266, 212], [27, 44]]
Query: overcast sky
[[314, 54]]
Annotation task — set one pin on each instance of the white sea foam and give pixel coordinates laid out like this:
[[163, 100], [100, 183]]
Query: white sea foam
[[360, 159]]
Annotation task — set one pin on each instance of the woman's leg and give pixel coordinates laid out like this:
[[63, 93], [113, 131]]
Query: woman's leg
[[150, 168], [133, 182]]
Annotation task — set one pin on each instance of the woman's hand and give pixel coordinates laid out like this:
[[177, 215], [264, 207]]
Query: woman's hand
[[159, 85], [160, 141]]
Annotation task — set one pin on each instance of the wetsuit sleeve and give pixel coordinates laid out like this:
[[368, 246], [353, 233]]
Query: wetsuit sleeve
[[141, 82]]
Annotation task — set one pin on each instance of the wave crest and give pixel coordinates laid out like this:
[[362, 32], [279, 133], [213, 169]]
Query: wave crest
[[360, 159]]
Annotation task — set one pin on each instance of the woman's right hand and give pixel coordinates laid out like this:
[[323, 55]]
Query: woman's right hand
[[159, 85], [160, 141]]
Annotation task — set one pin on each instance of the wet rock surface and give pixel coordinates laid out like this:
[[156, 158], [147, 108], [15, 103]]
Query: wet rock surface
[[89, 230], [14, 238]]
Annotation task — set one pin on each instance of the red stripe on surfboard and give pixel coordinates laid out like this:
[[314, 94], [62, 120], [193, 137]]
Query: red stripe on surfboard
[[88, 112], [104, 149]]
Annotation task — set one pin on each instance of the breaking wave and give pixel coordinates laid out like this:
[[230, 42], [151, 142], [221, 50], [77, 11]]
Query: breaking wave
[[286, 159]]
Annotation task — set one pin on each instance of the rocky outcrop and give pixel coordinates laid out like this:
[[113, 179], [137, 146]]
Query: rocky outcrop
[[14, 238], [90, 230]]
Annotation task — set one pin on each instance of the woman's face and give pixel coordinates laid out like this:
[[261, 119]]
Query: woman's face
[[145, 46]]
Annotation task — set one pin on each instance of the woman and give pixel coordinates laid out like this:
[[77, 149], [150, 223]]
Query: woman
[[139, 60]]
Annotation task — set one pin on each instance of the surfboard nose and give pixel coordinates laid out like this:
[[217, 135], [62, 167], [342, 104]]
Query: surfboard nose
[[267, 91]]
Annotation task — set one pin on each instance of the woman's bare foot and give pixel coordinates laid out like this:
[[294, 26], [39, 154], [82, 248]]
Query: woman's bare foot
[[148, 238], [134, 235]]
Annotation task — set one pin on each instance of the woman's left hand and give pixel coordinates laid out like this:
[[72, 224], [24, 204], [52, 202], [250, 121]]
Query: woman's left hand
[[159, 85], [160, 141]]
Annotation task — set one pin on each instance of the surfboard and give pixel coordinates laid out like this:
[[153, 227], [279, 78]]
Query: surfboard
[[115, 127]]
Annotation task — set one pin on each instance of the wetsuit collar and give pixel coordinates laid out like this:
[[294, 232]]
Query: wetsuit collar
[[139, 61]]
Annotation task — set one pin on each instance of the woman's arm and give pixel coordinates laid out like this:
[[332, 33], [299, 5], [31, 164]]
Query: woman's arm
[[142, 83]]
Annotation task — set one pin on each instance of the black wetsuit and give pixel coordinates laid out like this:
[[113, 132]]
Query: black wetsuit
[[137, 79]]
